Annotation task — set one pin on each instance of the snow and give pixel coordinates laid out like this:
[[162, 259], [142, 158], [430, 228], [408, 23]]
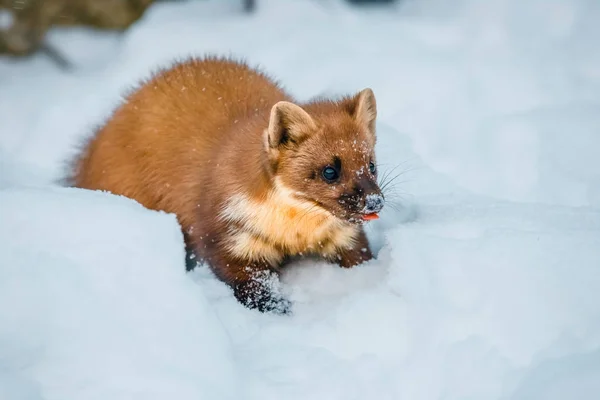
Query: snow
[[487, 274], [108, 320], [6, 20]]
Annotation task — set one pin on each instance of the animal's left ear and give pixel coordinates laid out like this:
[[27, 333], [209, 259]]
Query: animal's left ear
[[363, 108]]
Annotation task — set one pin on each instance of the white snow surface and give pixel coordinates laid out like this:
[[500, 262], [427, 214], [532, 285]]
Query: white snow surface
[[486, 283]]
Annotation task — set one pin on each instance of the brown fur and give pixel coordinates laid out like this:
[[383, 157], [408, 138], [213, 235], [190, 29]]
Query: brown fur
[[223, 147]]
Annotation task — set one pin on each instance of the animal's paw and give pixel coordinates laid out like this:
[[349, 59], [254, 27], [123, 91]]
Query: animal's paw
[[261, 295]]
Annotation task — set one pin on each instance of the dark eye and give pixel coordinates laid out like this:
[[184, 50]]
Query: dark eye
[[372, 167], [330, 174]]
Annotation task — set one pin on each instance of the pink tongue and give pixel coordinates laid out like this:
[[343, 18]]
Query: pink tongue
[[370, 217]]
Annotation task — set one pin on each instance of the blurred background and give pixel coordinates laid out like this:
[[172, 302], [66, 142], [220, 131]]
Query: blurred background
[[25, 23]]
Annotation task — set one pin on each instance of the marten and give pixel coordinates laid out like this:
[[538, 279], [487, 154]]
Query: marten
[[254, 177]]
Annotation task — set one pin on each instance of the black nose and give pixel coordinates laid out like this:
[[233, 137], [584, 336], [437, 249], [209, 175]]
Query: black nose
[[374, 203]]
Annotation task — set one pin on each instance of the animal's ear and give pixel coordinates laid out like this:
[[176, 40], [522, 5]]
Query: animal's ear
[[363, 108], [289, 124]]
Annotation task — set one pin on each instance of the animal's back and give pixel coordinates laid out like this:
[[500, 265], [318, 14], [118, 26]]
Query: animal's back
[[155, 146]]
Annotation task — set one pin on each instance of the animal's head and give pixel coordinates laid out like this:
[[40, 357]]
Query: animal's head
[[324, 153]]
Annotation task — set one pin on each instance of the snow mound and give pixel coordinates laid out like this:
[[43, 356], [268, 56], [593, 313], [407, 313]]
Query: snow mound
[[94, 303]]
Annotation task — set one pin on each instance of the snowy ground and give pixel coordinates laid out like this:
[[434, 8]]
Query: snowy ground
[[487, 282]]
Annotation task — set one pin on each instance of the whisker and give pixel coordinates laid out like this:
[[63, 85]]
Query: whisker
[[388, 172], [401, 163], [395, 193], [387, 180], [394, 185], [393, 179]]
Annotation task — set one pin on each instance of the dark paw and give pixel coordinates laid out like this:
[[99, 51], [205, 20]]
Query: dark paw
[[256, 295], [191, 261]]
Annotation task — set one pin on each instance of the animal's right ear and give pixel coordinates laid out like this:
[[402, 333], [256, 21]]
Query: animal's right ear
[[289, 124]]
